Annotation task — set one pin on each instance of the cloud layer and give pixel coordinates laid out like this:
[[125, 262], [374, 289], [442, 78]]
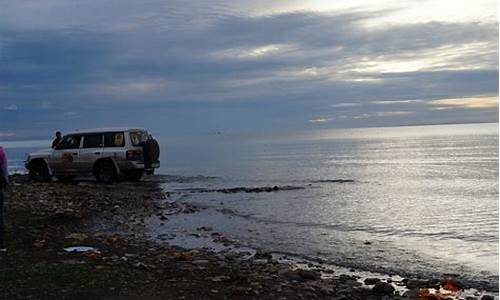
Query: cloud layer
[[196, 68]]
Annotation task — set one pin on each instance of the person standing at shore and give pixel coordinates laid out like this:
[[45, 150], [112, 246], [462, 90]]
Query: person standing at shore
[[4, 182], [57, 140]]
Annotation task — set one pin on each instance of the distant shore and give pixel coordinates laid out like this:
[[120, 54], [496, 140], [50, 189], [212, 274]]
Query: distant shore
[[44, 219]]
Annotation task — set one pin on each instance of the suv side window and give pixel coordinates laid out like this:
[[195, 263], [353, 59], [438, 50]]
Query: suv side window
[[92, 141], [138, 137], [69, 142], [114, 139]]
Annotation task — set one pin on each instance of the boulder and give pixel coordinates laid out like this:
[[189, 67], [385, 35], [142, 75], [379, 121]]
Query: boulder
[[370, 281], [261, 254], [383, 288], [309, 274], [289, 274]]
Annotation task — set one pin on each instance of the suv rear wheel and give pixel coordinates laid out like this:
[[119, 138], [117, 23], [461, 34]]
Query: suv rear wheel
[[133, 175], [39, 171], [105, 172]]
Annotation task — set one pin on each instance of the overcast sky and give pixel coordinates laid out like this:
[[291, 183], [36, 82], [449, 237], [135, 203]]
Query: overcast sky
[[230, 66]]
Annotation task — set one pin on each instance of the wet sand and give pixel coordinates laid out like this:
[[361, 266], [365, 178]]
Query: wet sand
[[43, 219]]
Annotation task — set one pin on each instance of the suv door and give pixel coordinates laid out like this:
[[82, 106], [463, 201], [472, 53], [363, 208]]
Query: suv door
[[114, 145], [91, 151], [64, 158]]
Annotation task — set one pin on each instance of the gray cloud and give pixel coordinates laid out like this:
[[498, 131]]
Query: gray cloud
[[297, 65]]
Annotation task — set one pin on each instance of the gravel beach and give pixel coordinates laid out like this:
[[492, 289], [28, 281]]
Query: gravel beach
[[49, 224]]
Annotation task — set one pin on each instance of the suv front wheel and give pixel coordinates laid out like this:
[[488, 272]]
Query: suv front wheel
[[39, 171], [105, 172]]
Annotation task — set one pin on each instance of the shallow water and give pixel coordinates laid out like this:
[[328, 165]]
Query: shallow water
[[424, 197]]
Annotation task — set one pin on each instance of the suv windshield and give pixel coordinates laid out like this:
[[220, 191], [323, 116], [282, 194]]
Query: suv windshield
[[138, 137]]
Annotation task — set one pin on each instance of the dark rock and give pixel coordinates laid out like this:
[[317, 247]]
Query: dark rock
[[353, 283], [204, 228], [254, 190], [326, 291], [345, 277], [334, 181], [416, 283], [383, 288], [412, 294], [300, 275], [261, 254], [309, 274], [370, 281], [487, 297], [290, 274]]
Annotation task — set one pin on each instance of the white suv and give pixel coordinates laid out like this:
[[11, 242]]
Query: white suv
[[107, 153]]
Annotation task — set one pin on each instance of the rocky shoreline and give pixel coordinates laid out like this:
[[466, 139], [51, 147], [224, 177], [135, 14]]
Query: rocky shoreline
[[44, 220]]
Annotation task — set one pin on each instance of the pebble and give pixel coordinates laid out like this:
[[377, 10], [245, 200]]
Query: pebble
[[77, 236], [220, 278]]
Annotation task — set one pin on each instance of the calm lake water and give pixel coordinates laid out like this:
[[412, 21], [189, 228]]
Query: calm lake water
[[424, 197]]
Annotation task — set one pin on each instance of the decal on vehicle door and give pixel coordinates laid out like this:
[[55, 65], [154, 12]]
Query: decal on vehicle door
[[118, 139], [67, 157]]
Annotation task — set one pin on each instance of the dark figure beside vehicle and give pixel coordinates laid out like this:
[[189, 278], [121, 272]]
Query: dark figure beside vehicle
[[57, 140]]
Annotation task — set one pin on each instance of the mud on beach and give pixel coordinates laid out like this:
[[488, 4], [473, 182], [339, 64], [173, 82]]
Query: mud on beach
[[44, 219]]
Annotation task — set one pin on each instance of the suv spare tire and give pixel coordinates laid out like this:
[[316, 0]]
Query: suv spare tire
[[151, 150]]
